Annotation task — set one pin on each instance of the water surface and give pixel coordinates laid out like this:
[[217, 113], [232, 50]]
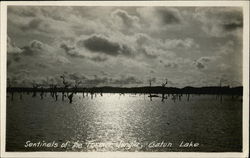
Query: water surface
[[134, 119]]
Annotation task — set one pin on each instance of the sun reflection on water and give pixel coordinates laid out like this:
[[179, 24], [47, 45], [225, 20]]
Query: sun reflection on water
[[110, 122]]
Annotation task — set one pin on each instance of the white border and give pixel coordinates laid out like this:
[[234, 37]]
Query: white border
[[243, 4]]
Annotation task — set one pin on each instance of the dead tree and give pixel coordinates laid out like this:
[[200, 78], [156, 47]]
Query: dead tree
[[150, 95], [42, 93], [163, 88], [34, 89], [65, 88]]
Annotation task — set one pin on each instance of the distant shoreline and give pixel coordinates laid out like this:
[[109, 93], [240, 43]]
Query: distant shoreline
[[140, 90]]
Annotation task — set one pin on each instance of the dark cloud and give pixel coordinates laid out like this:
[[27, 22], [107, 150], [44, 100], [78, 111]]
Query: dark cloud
[[232, 26], [169, 15], [101, 44], [71, 51], [232, 19], [96, 43]]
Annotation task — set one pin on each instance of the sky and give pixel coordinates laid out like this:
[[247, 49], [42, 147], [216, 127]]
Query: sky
[[124, 46]]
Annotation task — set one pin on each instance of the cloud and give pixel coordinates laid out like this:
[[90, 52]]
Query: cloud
[[35, 47], [38, 24], [169, 15], [47, 22], [125, 40], [205, 59], [77, 76], [71, 51], [99, 80], [127, 20], [56, 13], [75, 79], [171, 65], [181, 43], [33, 24], [224, 67], [153, 47], [25, 78], [199, 65], [98, 59], [11, 47], [233, 25], [142, 38], [103, 80], [220, 22], [76, 52], [41, 65], [159, 18], [126, 81], [152, 71], [83, 80], [227, 49], [61, 59], [148, 52], [102, 44], [23, 11]]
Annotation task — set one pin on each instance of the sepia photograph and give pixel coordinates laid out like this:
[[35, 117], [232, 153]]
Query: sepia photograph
[[124, 78]]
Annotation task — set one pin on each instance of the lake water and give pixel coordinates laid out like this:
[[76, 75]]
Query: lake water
[[129, 122]]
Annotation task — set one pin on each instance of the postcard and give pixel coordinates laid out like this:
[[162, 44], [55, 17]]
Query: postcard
[[125, 79]]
